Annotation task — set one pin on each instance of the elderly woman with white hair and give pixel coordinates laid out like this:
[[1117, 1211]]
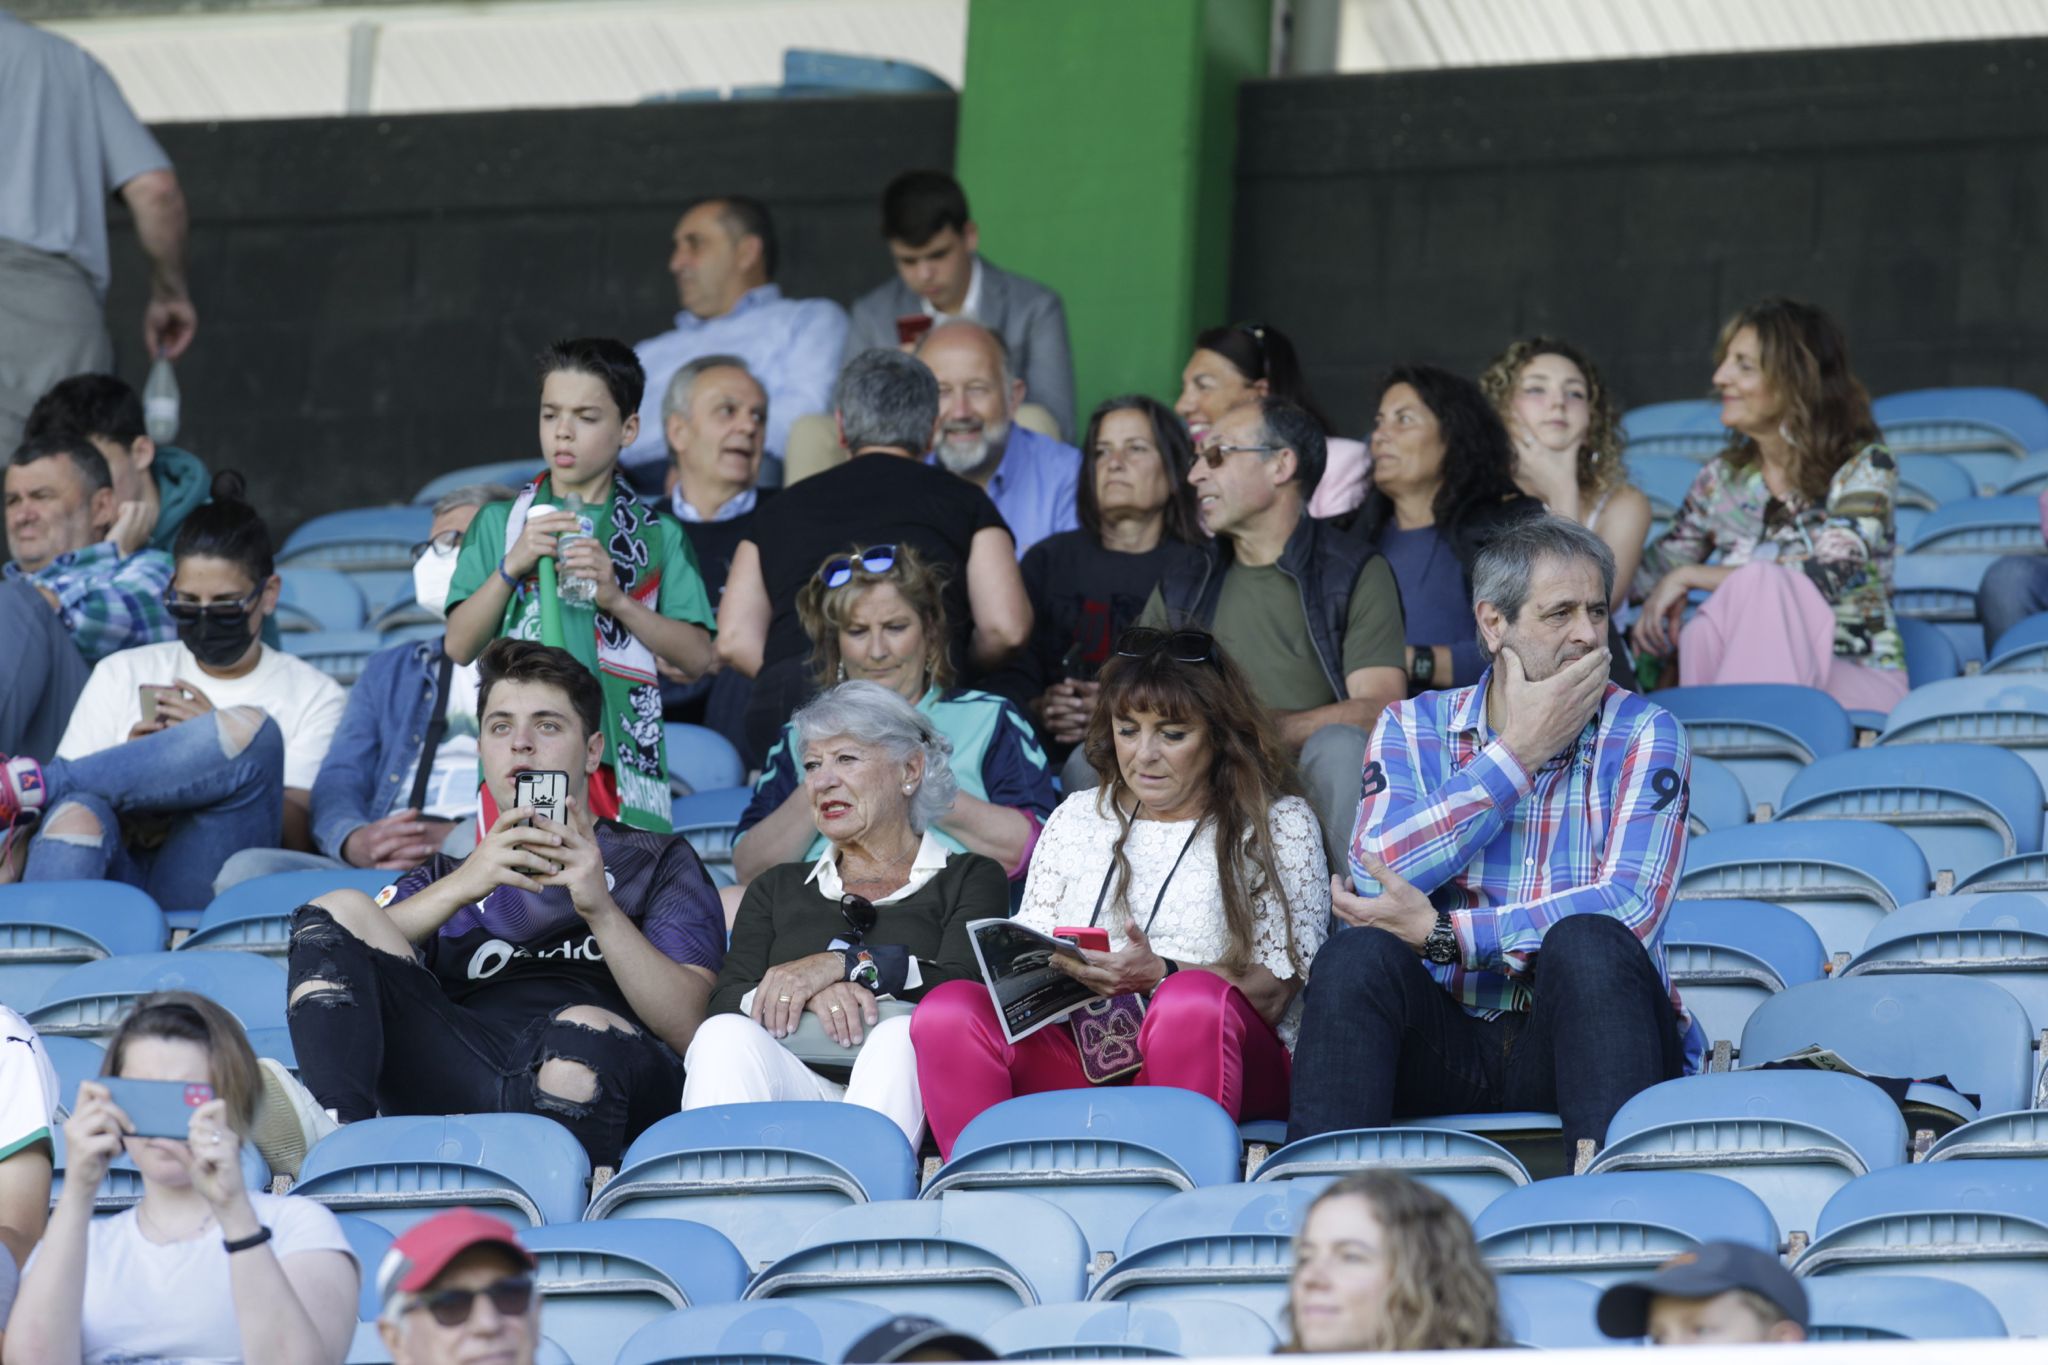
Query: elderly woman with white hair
[[880, 918]]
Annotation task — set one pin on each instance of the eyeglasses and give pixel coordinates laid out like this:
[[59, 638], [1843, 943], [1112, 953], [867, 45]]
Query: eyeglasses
[[1215, 455], [1182, 646], [452, 1307], [185, 609], [860, 915], [838, 570], [447, 543]]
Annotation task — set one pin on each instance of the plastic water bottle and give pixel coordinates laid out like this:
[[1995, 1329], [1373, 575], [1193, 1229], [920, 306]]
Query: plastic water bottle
[[160, 403], [576, 590]]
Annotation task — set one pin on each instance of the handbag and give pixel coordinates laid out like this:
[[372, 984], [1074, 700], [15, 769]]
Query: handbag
[[1106, 1028], [812, 1046]]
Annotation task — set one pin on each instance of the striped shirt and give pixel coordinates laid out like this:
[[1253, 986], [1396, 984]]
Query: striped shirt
[[1599, 829], [108, 601]]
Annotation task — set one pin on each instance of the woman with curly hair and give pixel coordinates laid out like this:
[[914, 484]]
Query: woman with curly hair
[[1566, 430], [1790, 527], [1384, 1264]]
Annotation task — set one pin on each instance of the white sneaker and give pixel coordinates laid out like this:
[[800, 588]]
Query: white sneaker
[[289, 1121]]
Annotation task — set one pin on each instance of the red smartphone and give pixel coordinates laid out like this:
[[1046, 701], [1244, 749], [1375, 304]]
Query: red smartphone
[[1085, 936], [911, 327]]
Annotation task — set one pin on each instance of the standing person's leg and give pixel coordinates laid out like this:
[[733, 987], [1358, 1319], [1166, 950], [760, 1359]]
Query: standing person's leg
[[1764, 624], [1600, 1029], [43, 677], [964, 1065], [2013, 589], [50, 329], [1380, 1038], [1333, 775], [1201, 1034]]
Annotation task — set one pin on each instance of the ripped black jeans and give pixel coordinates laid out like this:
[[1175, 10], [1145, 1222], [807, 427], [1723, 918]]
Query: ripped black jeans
[[390, 1041]]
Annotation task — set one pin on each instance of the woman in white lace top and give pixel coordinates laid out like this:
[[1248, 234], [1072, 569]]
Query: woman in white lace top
[[1207, 871]]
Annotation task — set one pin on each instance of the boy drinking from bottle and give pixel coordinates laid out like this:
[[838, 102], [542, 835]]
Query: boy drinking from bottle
[[649, 606]]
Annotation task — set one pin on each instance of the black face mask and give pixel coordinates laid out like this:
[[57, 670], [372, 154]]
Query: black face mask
[[216, 641]]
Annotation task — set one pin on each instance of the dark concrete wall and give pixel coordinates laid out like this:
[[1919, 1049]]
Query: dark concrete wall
[[1632, 205], [371, 291]]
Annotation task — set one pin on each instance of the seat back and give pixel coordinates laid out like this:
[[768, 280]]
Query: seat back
[[761, 1174], [74, 1060], [1223, 1244], [1942, 591], [369, 1241], [256, 916], [966, 1258], [701, 759], [1717, 798], [1665, 479], [1928, 481], [90, 1000], [1792, 1138], [1103, 1155], [1465, 1168], [1762, 732], [1726, 957], [2004, 711], [1930, 655], [397, 1172], [1913, 1027], [1171, 1330], [48, 928], [2003, 525], [601, 1282], [1897, 1308], [1840, 876], [1550, 1312], [1965, 805], [810, 1331], [511, 473], [359, 538], [1986, 430], [2001, 937], [2022, 649], [340, 654], [1602, 1228], [710, 820], [1679, 417], [311, 599]]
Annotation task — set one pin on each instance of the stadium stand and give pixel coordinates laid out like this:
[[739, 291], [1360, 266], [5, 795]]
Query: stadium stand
[[48, 928], [1728, 956], [1840, 876], [1763, 733], [1965, 805], [1464, 1168], [1116, 1331], [811, 1331], [88, 1001], [1897, 1308], [255, 916], [1550, 1312], [395, 1172], [1601, 1228], [601, 1282], [1223, 1244]]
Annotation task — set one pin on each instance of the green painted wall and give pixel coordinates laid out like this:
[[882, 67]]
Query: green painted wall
[[1097, 146]]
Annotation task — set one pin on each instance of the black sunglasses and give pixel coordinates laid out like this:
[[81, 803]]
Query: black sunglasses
[[452, 1307], [838, 570], [860, 915], [1182, 646], [184, 609]]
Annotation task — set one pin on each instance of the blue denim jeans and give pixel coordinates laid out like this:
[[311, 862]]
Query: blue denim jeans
[[2013, 589], [182, 783]]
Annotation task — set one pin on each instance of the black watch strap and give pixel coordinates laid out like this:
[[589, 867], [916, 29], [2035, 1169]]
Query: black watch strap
[[254, 1239]]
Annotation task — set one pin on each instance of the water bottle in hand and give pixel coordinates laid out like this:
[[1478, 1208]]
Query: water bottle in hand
[[576, 590], [160, 403]]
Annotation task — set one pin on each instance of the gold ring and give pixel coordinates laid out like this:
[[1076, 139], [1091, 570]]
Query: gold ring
[[835, 1009], [783, 998]]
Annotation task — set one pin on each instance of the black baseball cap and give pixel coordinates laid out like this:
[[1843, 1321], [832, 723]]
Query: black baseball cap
[[1715, 1268], [898, 1337]]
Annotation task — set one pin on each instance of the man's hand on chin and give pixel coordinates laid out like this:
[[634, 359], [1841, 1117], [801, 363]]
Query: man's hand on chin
[[1539, 718]]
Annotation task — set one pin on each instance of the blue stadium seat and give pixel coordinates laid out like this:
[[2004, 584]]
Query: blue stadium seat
[[122, 1184], [399, 1171], [1126, 1331], [2007, 711], [1103, 1155], [710, 820], [2009, 525], [1792, 1138], [1913, 1028], [2022, 649], [1550, 1313], [318, 599], [1602, 1228], [812, 70], [601, 1282], [1840, 876], [1930, 655], [1897, 1308], [762, 1174], [512, 473], [1728, 957], [1925, 483], [1986, 430], [1689, 428], [1966, 805], [1665, 480], [1222, 1244], [1534, 1139], [701, 759], [398, 613], [2024, 1134], [48, 928], [2000, 937], [966, 1258], [88, 1001], [1982, 1224], [369, 1241], [1942, 591], [1717, 798], [359, 538], [2028, 476], [74, 1060], [340, 654], [787, 1332], [1465, 1168], [2026, 872], [255, 916], [1762, 732]]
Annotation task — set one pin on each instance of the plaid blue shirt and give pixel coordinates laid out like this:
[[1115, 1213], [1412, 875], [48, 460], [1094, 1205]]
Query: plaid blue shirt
[[106, 601], [1598, 830]]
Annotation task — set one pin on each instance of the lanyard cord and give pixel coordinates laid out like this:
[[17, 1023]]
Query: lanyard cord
[[1157, 900]]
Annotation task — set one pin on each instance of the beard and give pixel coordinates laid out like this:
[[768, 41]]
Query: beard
[[964, 449]]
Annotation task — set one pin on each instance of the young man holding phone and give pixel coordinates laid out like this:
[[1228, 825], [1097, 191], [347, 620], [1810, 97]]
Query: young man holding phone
[[561, 969]]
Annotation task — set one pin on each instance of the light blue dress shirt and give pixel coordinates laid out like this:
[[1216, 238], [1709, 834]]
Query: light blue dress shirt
[[1034, 486], [791, 345]]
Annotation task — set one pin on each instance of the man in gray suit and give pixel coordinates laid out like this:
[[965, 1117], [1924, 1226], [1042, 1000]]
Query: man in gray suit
[[940, 277]]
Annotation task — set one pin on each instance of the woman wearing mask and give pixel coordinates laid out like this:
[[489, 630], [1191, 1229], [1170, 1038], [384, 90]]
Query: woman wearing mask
[[181, 754], [1245, 360]]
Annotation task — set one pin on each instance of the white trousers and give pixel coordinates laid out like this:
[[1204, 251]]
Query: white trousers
[[733, 1060]]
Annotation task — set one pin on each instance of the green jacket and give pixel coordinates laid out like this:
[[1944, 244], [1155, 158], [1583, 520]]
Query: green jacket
[[182, 483]]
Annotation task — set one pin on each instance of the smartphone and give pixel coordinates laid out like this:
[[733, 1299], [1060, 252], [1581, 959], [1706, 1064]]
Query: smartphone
[[152, 693], [911, 327], [544, 790], [1085, 936], [158, 1109]]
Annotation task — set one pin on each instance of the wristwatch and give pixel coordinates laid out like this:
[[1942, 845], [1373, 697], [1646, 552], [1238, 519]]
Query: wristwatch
[[1421, 669], [1441, 947], [862, 971]]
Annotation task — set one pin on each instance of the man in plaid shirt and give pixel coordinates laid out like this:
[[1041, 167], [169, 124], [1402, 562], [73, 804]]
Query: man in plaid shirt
[[70, 597], [1517, 847]]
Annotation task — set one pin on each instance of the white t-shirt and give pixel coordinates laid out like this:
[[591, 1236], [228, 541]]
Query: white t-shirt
[[452, 784], [305, 703], [147, 1303]]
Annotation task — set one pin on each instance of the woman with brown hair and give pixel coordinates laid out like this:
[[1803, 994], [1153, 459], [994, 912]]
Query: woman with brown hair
[[200, 1268], [1384, 1264], [1206, 868], [1566, 429], [1790, 528], [878, 614]]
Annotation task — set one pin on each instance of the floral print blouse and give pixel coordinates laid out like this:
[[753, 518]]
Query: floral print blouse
[[1845, 546]]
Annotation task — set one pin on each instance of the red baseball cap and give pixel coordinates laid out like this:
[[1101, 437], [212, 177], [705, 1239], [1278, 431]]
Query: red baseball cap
[[422, 1252]]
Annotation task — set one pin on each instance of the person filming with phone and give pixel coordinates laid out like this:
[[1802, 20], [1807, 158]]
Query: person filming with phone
[[561, 969], [202, 1267]]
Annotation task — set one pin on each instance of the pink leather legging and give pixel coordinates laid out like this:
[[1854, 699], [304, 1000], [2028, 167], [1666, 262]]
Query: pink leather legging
[[1200, 1033]]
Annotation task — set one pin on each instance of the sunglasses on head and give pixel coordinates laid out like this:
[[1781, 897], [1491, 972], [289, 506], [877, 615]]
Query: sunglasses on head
[[860, 915], [452, 1307], [838, 570], [185, 609], [1182, 646]]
